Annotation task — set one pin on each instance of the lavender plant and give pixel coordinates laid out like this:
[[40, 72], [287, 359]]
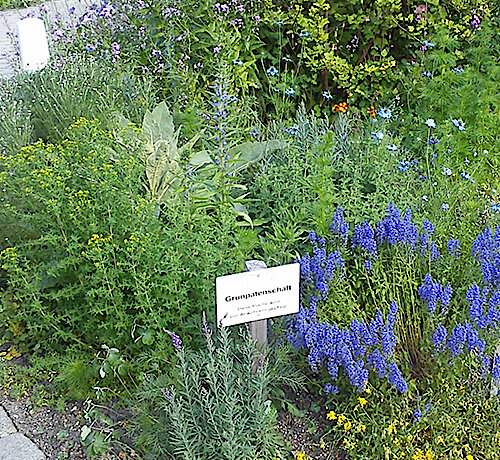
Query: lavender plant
[[217, 405]]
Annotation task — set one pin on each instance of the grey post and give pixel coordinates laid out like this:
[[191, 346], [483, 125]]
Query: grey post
[[258, 329]]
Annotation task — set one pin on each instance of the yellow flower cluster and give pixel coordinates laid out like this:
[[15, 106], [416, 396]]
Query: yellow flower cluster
[[97, 239], [8, 255], [419, 455]]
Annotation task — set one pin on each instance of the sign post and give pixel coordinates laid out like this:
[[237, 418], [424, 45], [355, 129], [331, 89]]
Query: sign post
[[256, 295], [33, 45], [258, 329]]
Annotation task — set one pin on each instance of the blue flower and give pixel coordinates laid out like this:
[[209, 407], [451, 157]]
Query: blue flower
[[286, 59], [433, 141], [237, 62], [304, 34], [176, 340], [378, 136], [404, 165], [454, 248], [446, 172], [458, 70], [430, 123], [429, 44], [458, 124], [327, 95], [476, 301], [289, 91], [495, 207], [439, 337], [255, 133], [417, 413], [431, 292], [364, 238], [426, 74], [384, 113], [465, 175], [272, 71], [332, 389], [339, 227], [445, 206], [392, 147], [293, 130], [396, 378]]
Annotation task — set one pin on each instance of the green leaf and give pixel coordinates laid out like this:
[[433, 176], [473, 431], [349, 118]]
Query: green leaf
[[85, 432], [158, 125], [148, 337], [249, 152]]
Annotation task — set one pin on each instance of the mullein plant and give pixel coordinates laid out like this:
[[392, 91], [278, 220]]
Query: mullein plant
[[380, 267]]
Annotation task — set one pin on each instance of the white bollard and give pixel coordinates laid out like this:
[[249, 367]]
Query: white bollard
[[33, 45]]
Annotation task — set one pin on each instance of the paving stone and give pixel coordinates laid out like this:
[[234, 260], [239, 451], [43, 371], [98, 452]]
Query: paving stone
[[6, 425], [18, 447]]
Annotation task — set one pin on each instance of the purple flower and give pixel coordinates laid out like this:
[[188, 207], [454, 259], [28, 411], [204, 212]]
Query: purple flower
[[454, 248], [396, 378], [176, 340], [364, 238], [475, 21], [439, 337], [339, 227]]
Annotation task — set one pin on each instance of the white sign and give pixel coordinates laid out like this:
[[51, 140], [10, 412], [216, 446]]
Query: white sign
[[33, 46], [255, 295]]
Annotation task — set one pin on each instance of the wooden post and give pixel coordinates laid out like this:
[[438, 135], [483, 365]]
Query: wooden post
[[495, 384], [258, 329]]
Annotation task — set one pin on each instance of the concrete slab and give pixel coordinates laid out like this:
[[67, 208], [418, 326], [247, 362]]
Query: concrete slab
[[6, 425], [18, 447]]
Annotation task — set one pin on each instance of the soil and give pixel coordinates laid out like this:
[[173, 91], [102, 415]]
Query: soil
[[58, 433], [303, 427]]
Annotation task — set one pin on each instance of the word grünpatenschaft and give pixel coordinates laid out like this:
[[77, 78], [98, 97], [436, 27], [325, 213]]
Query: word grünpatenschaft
[[258, 293]]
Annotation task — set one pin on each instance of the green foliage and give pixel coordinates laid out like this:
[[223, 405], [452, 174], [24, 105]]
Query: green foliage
[[219, 404], [159, 151], [382, 424], [15, 127], [10, 4], [77, 87], [97, 266]]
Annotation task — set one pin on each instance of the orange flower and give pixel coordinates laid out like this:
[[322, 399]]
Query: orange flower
[[371, 111], [342, 107]]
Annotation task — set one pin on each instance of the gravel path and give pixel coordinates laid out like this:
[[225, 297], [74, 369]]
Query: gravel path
[[9, 19]]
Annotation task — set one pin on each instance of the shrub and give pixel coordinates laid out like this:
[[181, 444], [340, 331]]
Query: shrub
[[219, 404], [86, 259]]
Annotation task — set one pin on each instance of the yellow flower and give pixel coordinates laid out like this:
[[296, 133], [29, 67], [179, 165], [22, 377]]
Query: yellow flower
[[362, 401], [391, 429], [469, 457], [347, 426], [300, 456], [341, 419], [331, 415]]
